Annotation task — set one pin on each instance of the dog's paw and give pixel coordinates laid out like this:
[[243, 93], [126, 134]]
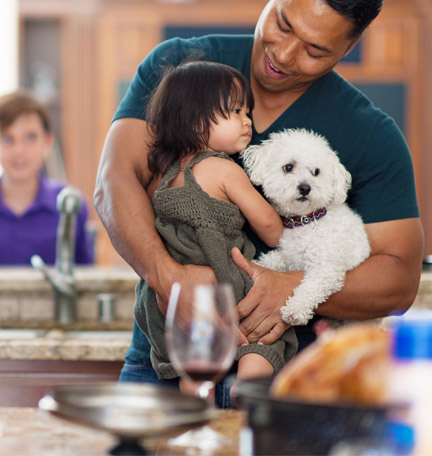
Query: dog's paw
[[295, 317]]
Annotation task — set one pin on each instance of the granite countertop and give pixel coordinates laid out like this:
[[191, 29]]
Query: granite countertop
[[27, 298], [64, 345], [33, 432], [88, 277], [92, 340], [424, 295]]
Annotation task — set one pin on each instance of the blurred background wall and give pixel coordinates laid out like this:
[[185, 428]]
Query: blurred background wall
[[79, 56]]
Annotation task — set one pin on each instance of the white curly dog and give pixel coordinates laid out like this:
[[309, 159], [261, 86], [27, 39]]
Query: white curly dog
[[304, 180]]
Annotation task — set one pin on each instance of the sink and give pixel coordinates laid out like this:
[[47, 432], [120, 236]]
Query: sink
[[27, 300]]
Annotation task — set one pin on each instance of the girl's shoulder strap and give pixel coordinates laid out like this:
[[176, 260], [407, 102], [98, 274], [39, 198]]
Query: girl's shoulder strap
[[169, 175], [205, 154]]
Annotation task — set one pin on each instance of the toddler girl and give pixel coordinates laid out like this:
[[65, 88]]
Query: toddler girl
[[198, 116]]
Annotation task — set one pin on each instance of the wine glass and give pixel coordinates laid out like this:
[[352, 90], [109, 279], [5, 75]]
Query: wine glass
[[201, 333]]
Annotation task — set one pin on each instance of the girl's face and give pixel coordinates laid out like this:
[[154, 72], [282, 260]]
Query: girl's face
[[233, 134], [24, 146]]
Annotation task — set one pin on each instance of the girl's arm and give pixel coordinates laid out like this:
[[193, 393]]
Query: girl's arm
[[262, 217]]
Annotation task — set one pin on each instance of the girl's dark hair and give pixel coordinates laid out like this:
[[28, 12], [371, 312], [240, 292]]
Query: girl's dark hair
[[185, 104], [360, 12]]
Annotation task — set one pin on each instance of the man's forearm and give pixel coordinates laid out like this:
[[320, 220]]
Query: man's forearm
[[128, 218], [379, 287], [123, 203], [387, 282], [122, 200]]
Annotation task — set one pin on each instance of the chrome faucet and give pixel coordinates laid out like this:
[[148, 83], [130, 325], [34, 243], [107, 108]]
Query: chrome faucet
[[61, 277]]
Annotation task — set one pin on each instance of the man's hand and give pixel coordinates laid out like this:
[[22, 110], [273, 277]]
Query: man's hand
[[384, 284], [259, 311], [188, 276]]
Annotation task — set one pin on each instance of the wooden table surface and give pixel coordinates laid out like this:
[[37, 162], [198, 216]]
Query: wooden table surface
[[34, 432]]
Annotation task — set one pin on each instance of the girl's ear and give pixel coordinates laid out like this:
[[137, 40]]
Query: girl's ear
[[254, 162]]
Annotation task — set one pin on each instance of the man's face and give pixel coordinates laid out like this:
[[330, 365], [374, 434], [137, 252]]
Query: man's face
[[296, 42]]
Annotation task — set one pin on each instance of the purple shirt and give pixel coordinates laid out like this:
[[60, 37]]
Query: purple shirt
[[34, 231]]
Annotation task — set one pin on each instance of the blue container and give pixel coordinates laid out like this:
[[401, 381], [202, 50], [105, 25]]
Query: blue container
[[412, 339]]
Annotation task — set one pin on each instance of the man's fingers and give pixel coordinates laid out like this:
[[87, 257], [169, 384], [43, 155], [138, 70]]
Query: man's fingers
[[274, 334], [161, 304], [260, 319], [241, 338], [242, 262]]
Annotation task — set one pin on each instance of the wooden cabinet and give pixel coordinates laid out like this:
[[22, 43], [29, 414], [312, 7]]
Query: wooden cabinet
[[103, 41], [24, 382]]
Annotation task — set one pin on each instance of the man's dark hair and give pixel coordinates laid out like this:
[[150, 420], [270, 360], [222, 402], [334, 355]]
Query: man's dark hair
[[360, 12], [185, 104]]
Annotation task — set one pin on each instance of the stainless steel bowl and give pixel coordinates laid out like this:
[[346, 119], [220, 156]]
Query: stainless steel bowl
[[127, 410]]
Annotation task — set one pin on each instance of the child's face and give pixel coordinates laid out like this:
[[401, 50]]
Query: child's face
[[24, 146], [231, 135]]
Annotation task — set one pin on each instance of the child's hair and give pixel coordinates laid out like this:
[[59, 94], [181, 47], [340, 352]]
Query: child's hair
[[14, 104], [185, 104]]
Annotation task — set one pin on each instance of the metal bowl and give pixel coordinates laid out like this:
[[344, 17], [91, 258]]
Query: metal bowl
[[127, 410]]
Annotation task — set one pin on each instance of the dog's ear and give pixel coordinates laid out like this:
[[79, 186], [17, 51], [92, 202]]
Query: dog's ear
[[341, 181], [254, 162]]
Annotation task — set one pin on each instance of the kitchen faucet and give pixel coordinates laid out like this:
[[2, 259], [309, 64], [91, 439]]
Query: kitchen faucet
[[61, 277]]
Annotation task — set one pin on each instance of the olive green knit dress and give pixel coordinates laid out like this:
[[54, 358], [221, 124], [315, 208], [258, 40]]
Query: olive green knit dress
[[201, 230]]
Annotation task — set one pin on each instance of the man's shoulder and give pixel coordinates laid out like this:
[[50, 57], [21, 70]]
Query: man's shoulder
[[350, 114], [345, 97], [232, 50], [216, 48], [208, 41]]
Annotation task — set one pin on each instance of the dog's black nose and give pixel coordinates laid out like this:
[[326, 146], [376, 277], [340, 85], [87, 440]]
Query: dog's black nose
[[304, 189]]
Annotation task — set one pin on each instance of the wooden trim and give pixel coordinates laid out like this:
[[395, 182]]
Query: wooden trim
[[103, 41]]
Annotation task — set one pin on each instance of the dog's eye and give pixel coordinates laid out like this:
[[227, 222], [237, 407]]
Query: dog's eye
[[316, 171], [287, 168]]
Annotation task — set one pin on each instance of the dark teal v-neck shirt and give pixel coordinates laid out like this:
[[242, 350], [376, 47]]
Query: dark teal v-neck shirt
[[368, 142]]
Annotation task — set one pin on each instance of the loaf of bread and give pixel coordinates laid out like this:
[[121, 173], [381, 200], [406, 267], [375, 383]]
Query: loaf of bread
[[348, 365]]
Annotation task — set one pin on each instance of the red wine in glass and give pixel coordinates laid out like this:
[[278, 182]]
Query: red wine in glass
[[203, 372]]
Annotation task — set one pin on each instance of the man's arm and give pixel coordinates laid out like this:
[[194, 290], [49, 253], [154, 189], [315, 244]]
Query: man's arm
[[387, 282], [125, 209]]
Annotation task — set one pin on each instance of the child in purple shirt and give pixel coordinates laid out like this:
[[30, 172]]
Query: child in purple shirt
[[28, 214]]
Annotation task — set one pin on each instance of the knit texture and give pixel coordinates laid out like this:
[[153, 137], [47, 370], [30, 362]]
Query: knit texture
[[201, 230]]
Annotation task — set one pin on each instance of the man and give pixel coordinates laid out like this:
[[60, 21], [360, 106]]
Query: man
[[289, 63]]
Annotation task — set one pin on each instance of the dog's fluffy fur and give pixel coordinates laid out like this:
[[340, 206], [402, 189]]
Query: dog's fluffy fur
[[299, 174]]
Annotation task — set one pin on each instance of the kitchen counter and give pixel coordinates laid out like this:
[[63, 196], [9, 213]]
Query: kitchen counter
[[64, 345], [34, 361], [424, 294], [33, 432], [27, 298]]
